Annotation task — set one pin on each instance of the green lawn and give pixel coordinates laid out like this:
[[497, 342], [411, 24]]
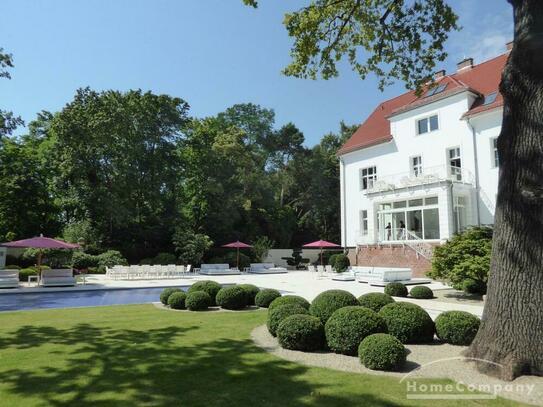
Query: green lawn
[[143, 356]]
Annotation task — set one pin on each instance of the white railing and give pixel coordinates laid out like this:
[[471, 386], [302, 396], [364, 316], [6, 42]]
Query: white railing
[[428, 175]]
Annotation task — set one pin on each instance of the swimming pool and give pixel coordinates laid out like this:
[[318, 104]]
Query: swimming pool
[[64, 299]]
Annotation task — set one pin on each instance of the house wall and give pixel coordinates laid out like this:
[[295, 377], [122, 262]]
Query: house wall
[[394, 157]]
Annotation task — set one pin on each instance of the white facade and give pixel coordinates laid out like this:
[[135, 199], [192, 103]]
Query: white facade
[[427, 186]]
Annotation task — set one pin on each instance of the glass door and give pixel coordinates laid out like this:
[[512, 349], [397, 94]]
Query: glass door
[[414, 222]]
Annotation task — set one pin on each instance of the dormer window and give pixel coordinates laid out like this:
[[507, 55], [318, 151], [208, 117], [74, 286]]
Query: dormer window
[[427, 124]]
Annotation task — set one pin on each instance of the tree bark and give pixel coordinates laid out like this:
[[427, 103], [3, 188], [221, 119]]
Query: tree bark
[[510, 340]]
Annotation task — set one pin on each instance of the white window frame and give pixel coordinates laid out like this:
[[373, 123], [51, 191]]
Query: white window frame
[[363, 222], [417, 128], [418, 169], [457, 173], [494, 156], [370, 178]]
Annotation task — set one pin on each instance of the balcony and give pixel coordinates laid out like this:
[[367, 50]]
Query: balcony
[[429, 175]]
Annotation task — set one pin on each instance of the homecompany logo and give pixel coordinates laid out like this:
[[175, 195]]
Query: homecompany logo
[[416, 389]]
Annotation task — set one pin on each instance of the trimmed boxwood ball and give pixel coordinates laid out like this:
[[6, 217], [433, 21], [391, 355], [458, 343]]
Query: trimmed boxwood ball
[[324, 304], [177, 300], [396, 290], [348, 326], [197, 301], [234, 297], [375, 301], [278, 314], [301, 332], [266, 296], [210, 287], [421, 292], [457, 327], [289, 299], [250, 291], [382, 352], [165, 294], [408, 322]]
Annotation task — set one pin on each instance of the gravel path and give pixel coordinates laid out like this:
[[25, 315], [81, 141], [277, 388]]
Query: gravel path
[[435, 360]]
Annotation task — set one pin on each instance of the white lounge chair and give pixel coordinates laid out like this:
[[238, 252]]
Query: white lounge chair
[[9, 278], [311, 268], [266, 268], [328, 268], [57, 277]]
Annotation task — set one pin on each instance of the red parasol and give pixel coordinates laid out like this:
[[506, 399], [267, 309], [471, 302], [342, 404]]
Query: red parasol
[[237, 245], [320, 244]]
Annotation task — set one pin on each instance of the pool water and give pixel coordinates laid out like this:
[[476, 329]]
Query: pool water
[[64, 299]]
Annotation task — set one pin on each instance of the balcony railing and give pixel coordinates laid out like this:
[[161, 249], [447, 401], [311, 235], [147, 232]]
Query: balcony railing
[[403, 236], [428, 175]]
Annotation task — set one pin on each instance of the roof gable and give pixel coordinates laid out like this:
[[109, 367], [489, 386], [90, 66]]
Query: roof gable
[[483, 79]]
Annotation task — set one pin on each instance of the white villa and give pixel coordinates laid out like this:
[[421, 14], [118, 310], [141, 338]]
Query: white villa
[[420, 169]]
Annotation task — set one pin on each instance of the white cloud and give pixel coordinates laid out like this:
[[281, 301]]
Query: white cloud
[[487, 26]]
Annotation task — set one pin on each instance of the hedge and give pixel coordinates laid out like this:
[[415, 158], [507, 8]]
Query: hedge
[[289, 299], [324, 305], [408, 322], [375, 301], [382, 352], [177, 300], [301, 332], [396, 290], [457, 327], [210, 287], [421, 292], [250, 291], [197, 301], [348, 326], [166, 294], [266, 296], [278, 314], [233, 298]]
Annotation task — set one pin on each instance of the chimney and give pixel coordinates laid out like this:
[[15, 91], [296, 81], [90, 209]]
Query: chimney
[[465, 64], [509, 46], [439, 74]]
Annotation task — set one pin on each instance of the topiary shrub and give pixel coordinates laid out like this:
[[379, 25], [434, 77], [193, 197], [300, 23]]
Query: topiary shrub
[[396, 290], [265, 297], [278, 314], [208, 286], [457, 327], [382, 352], [166, 294], [375, 301], [421, 292], [177, 300], [82, 260], [234, 297], [332, 259], [471, 286], [250, 292], [197, 301], [25, 273], [301, 332], [408, 322], [324, 304], [341, 263], [12, 267], [349, 325], [289, 299], [165, 259]]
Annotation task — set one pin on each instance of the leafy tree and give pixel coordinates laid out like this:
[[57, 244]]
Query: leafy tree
[[464, 257], [261, 247], [191, 247], [8, 122], [117, 165], [403, 40]]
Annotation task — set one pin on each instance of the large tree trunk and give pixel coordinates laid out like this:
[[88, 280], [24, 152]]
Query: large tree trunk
[[511, 333]]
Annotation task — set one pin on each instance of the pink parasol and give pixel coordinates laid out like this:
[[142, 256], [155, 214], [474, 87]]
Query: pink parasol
[[320, 244], [237, 245], [40, 243]]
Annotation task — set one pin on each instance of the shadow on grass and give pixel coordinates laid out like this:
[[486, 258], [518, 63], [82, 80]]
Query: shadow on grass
[[103, 366]]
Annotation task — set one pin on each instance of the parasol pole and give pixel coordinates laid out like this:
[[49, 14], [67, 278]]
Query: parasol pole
[[237, 261], [39, 262]]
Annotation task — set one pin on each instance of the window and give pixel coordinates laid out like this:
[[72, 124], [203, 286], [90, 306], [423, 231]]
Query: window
[[495, 157], [399, 204], [427, 124], [416, 166], [490, 98], [435, 90], [364, 223], [415, 202], [455, 163], [431, 200], [367, 177]]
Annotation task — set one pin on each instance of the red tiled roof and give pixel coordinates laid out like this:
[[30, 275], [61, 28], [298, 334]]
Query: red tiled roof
[[482, 79]]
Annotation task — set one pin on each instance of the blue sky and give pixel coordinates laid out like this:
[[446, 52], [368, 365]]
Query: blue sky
[[212, 53]]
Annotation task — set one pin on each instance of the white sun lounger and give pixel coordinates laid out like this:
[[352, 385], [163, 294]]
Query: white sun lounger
[[217, 270], [9, 278], [265, 268]]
